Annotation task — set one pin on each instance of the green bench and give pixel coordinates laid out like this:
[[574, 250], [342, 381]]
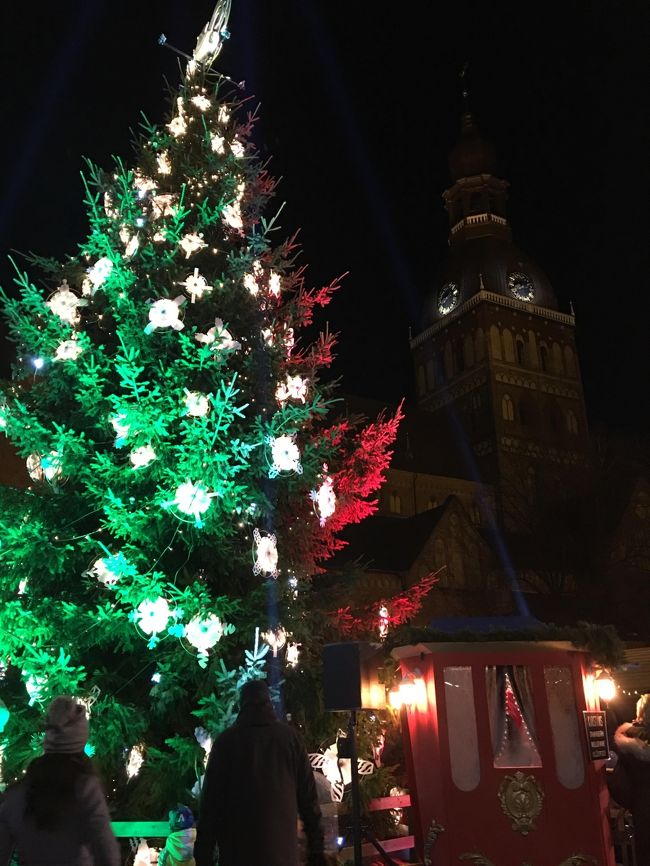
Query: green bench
[[141, 829]]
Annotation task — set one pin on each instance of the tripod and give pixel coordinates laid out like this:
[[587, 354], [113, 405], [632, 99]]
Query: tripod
[[359, 831]]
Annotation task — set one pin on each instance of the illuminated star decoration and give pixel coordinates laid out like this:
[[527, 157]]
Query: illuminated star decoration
[[276, 638], [219, 337], [205, 740], [164, 204], [383, 617], [217, 143], [164, 313], [275, 284], [285, 455], [44, 467], [231, 213], [266, 554], [191, 499], [293, 654], [324, 499], [338, 771], [177, 126], [201, 102], [164, 165], [295, 388], [64, 303], [251, 279], [196, 285], [191, 243]]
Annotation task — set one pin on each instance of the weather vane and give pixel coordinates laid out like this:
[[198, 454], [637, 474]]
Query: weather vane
[[211, 38], [463, 80]]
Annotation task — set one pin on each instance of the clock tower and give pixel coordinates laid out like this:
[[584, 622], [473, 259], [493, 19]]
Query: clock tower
[[496, 359]]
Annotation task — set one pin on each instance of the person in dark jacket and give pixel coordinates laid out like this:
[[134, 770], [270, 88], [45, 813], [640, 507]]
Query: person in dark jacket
[[632, 742], [258, 780], [57, 813]]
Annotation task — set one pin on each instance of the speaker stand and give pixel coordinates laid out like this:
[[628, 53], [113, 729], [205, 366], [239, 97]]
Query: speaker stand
[[359, 832]]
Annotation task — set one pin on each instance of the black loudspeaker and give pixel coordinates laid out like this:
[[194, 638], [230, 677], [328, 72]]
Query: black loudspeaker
[[351, 677]]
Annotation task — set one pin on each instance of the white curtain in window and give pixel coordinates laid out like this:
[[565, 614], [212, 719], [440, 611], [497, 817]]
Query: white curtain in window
[[569, 761], [512, 716], [461, 725]]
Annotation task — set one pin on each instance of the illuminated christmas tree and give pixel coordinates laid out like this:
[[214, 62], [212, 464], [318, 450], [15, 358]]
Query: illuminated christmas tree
[[189, 470]]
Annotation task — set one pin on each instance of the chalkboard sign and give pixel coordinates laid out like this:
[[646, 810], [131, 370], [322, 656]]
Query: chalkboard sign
[[596, 729]]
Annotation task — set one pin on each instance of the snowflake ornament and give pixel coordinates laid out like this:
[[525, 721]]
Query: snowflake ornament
[[295, 388], [143, 184], [191, 243], [285, 455], [64, 303], [196, 285], [100, 272], [219, 337], [251, 279], [193, 500], [224, 114], [44, 467], [68, 350], [324, 499], [152, 616], [383, 621], [196, 404], [131, 247], [142, 456], [163, 205], [164, 313], [231, 213], [275, 284], [338, 771], [237, 148], [101, 570], [203, 634], [266, 554]]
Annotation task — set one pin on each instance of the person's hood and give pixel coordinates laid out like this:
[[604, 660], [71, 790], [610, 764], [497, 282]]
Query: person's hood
[[632, 746]]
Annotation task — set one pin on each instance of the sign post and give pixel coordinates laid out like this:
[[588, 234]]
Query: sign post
[[596, 728]]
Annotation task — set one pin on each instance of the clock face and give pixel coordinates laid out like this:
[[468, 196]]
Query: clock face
[[521, 286], [448, 298]]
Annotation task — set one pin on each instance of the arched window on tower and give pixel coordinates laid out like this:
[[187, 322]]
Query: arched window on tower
[[521, 351], [558, 367], [449, 362], [468, 351], [571, 421], [431, 375], [495, 342], [543, 358], [508, 347], [422, 384], [523, 412], [395, 503], [479, 345], [459, 356], [507, 408], [570, 362]]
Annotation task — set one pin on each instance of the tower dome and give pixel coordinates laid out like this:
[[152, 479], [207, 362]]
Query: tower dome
[[473, 154]]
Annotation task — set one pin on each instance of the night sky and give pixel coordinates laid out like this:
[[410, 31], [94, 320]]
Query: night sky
[[359, 110]]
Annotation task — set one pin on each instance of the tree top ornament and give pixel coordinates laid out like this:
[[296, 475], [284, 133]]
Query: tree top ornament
[[210, 40]]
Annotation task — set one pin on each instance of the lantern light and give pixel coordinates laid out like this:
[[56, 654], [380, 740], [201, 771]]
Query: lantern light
[[606, 688]]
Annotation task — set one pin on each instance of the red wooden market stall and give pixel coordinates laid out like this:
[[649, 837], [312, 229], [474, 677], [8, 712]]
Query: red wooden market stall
[[503, 744]]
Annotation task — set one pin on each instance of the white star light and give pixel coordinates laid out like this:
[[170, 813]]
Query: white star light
[[153, 615], [217, 142], [164, 164], [47, 467], [266, 554], [100, 569], [231, 213], [191, 243], [177, 126], [143, 184], [285, 455], [275, 284], [164, 313], [64, 303], [224, 114], [164, 204], [196, 285], [384, 621], [68, 350], [237, 148], [293, 655], [142, 456], [201, 102]]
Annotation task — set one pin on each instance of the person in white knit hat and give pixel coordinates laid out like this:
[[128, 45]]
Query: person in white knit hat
[[57, 814]]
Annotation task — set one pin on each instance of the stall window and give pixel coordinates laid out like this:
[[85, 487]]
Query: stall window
[[461, 725], [569, 761], [512, 716]]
